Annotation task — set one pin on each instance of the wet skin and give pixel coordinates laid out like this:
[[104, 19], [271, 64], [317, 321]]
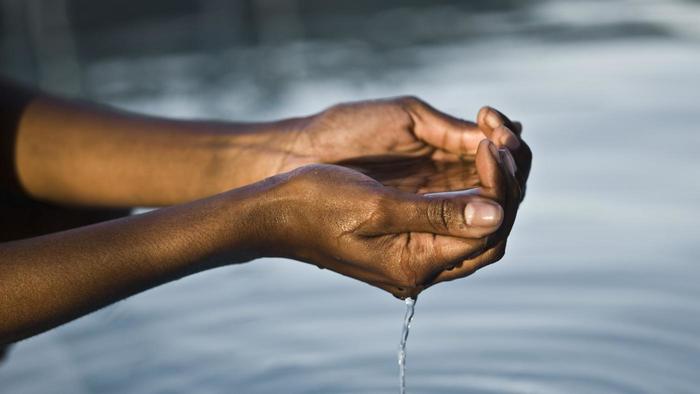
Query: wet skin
[[300, 188]]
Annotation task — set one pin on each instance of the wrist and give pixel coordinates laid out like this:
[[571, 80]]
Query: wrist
[[248, 153], [258, 220]]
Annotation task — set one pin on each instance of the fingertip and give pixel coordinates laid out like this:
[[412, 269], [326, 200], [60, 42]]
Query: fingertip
[[517, 127], [506, 137], [482, 114], [485, 145], [489, 117]]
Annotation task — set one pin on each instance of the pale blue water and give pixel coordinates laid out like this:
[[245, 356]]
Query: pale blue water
[[599, 291]]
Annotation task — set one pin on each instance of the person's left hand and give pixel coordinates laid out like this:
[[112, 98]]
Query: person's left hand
[[398, 127]]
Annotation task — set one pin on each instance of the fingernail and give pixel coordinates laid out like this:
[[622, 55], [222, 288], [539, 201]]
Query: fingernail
[[494, 152], [483, 214], [509, 161]]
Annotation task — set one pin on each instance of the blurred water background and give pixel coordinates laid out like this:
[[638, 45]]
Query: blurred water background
[[599, 291]]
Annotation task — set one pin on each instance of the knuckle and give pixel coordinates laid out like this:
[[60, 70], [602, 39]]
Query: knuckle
[[411, 101], [336, 108], [483, 113], [470, 267], [308, 169], [498, 253], [308, 174], [333, 114], [489, 257], [380, 216], [441, 214]]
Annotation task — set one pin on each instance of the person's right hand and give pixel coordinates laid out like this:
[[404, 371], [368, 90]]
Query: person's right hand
[[340, 219], [493, 123]]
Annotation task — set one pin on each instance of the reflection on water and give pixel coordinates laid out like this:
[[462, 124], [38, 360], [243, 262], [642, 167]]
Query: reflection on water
[[598, 292]]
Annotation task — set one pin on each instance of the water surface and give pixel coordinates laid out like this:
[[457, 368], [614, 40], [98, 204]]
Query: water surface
[[599, 291]]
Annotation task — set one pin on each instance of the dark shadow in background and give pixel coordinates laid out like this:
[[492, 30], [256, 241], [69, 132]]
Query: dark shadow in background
[[109, 50], [20, 215], [12, 107]]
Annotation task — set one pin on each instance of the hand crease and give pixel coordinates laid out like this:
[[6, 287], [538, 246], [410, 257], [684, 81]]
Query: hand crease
[[404, 262]]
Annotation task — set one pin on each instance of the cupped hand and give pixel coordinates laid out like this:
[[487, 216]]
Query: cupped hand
[[397, 127], [518, 158], [429, 175], [340, 219]]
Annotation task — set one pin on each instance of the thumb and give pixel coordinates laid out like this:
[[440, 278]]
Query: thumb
[[469, 213], [451, 135], [457, 214]]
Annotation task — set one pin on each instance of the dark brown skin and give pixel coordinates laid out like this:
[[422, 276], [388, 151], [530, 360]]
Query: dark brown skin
[[237, 200]]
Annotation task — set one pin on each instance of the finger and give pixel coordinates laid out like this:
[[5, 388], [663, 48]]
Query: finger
[[444, 156], [523, 159], [469, 266], [510, 203], [498, 128], [507, 191], [512, 196], [492, 118], [449, 251], [472, 213], [497, 240], [503, 131], [517, 128], [432, 254], [429, 255], [458, 214], [492, 175], [496, 175], [511, 170], [443, 131]]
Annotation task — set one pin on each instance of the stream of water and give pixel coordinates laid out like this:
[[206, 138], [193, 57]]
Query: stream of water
[[408, 317]]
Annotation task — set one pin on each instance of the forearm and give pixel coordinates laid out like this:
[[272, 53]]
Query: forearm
[[49, 280], [77, 153]]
